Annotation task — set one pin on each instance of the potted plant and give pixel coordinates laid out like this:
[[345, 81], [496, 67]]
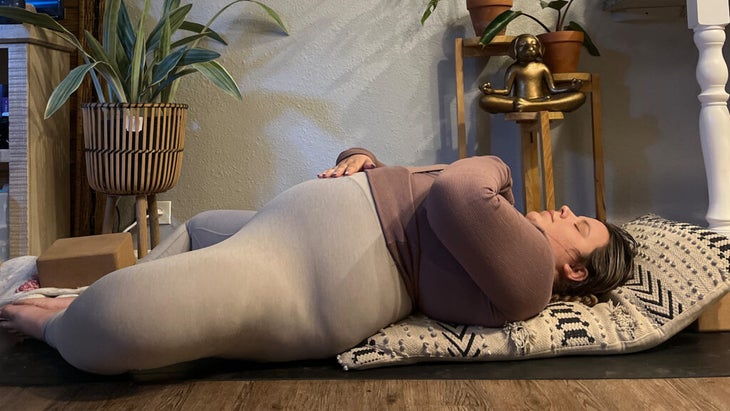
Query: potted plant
[[562, 43], [134, 137], [135, 74], [482, 12]]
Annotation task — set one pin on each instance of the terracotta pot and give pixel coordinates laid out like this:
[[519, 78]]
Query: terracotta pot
[[562, 50], [133, 148], [482, 12]]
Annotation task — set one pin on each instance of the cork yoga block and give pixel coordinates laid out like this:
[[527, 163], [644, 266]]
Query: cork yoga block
[[716, 317], [79, 261]]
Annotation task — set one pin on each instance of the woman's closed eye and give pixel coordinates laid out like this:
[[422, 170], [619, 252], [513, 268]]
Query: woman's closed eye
[[583, 228]]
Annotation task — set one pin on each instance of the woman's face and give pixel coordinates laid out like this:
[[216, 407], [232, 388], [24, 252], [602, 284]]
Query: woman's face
[[571, 236]]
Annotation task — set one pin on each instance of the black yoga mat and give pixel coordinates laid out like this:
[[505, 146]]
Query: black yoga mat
[[687, 355]]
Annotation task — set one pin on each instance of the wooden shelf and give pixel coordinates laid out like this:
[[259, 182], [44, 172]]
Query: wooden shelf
[[623, 5], [497, 47], [38, 158], [646, 11]]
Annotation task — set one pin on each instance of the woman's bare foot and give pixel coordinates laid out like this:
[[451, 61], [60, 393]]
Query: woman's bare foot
[[29, 317], [57, 303]]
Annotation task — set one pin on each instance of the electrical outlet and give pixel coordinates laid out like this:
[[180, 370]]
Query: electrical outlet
[[164, 211]]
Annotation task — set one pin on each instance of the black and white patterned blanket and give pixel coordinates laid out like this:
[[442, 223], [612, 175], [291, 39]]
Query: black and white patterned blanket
[[680, 269]]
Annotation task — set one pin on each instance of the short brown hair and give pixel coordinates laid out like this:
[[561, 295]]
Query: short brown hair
[[608, 267]]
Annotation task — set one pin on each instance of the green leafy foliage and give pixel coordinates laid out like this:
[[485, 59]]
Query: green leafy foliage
[[430, 7], [130, 65], [560, 6], [500, 23]]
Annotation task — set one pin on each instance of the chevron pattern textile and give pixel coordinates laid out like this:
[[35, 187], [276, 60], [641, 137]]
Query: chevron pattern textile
[[680, 269]]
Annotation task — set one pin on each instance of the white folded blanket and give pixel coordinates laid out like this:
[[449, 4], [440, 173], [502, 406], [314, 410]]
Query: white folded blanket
[[15, 272]]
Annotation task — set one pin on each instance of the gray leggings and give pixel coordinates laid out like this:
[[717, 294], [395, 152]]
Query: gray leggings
[[306, 277]]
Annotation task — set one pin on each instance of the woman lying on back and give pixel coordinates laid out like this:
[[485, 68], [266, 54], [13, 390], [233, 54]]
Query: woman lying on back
[[328, 263]]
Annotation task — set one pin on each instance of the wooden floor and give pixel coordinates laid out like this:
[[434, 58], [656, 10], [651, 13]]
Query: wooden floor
[[639, 394]]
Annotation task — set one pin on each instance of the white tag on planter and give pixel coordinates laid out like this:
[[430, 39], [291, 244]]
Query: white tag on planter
[[133, 123]]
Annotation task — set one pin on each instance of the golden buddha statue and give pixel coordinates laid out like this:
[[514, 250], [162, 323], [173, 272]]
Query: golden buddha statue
[[529, 83]]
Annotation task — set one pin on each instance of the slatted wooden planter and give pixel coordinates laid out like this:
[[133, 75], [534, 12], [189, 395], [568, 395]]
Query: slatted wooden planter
[[133, 149]]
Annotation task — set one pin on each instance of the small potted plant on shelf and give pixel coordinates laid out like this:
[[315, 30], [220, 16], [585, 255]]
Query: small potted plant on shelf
[[562, 43], [134, 138], [482, 12]]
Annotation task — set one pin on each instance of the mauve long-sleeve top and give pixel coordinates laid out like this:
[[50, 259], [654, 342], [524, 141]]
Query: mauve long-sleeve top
[[465, 253]]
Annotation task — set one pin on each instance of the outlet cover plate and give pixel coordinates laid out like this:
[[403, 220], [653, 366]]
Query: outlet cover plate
[[164, 210]]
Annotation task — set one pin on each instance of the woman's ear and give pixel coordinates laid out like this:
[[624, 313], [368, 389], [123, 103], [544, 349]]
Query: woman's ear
[[577, 272]]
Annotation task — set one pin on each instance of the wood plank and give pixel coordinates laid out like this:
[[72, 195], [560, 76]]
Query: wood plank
[[716, 317], [497, 47], [546, 148], [599, 184], [460, 110], [657, 394], [530, 168], [619, 5]]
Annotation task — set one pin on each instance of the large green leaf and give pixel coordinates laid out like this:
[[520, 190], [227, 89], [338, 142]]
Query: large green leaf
[[163, 49], [497, 25], [555, 5], [138, 57], [186, 40], [167, 83], [66, 87], [271, 13], [174, 21], [97, 53], [198, 55], [220, 77], [170, 5], [430, 7], [274, 15], [109, 28], [163, 68], [109, 38], [116, 86], [201, 29], [125, 32], [40, 20]]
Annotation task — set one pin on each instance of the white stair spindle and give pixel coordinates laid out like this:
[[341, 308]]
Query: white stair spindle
[[708, 19]]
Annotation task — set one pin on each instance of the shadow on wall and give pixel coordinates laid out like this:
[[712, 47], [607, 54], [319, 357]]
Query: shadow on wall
[[446, 75], [253, 145], [226, 167], [572, 144], [486, 134], [478, 122], [626, 141]]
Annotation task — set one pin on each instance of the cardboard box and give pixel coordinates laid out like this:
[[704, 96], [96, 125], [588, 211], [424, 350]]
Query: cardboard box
[[716, 317], [79, 261]]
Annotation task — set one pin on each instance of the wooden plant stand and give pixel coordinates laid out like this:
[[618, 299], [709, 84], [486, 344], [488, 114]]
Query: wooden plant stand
[[134, 149], [465, 48]]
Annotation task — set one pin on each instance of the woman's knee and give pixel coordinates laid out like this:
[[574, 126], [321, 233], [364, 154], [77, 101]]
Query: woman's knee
[[211, 227]]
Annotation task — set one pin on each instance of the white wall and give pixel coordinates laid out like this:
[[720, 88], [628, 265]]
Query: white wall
[[365, 73]]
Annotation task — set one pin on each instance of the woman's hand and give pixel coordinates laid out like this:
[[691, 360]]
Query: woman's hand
[[351, 165]]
